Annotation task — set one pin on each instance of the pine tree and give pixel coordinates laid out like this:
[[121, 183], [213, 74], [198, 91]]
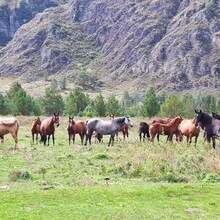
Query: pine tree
[[172, 107], [113, 106], [100, 106], [76, 102], [151, 105]]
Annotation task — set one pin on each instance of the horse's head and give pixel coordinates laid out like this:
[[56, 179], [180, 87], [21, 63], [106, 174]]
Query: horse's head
[[128, 121], [37, 121], [216, 116], [111, 116], [55, 119], [198, 117], [71, 121]]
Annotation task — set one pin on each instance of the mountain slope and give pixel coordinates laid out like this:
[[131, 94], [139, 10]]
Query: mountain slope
[[173, 45]]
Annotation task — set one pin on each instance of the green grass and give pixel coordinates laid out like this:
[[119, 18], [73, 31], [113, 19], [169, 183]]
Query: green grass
[[166, 181]]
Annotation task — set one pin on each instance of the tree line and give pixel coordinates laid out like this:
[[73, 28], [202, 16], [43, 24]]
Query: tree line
[[78, 103]]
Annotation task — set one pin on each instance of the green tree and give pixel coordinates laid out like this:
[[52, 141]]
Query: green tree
[[172, 107], [100, 106], [207, 103], [3, 105], [20, 103], [52, 102], [113, 106], [151, 106], [63, 82], [189, 106], [76, 102]]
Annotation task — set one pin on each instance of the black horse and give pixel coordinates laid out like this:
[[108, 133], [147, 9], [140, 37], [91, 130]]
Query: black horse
[[211, 125], [143, 128]]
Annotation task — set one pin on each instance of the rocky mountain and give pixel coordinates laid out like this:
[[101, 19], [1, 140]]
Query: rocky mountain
[[173, 45]]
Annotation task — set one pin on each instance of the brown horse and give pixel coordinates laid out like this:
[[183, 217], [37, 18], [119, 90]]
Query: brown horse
[[78, 127], [47, 128], [161, 121], [9, 125], [35, 128], [167, 129], [123, 129], [188, 128]]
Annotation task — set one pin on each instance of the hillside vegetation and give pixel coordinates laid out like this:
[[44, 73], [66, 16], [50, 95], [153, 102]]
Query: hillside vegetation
[[173, 45]]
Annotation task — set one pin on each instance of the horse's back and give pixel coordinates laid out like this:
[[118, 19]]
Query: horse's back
[[8, 125], [187, 126], [80, 126]]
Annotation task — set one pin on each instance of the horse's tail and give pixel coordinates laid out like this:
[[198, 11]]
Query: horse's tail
[[18, 125]]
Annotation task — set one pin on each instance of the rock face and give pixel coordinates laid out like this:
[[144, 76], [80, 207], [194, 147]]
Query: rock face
[[172, 44]]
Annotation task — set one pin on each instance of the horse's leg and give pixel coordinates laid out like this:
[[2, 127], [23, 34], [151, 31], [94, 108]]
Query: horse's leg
[[111, 140], [16, 140], [69, 138], [53, 139], [48, 140], [73, 138], [81, 137], [33, 137], [140, 136], [158, 139], [213, 141], [88, 137]]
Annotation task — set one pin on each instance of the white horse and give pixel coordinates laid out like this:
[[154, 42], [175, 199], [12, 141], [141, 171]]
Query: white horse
[[110, 127]]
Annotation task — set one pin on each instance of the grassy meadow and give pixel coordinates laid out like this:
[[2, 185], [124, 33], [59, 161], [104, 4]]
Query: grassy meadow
[[144, 180]]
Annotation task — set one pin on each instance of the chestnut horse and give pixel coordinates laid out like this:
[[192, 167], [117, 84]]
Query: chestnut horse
[[9, 125], [167, 129], [78, 127], [123, 129], [188, 128], [162, 121], [47, 128], [35, 128]]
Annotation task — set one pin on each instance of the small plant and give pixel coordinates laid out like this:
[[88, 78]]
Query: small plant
[[101, 156], [16, 175]]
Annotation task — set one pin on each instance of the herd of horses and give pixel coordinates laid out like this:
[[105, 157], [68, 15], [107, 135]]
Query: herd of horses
[[177, 126]]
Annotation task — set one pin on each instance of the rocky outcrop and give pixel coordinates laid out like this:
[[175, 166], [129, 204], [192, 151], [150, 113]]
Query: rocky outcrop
[[13, 14], [173, 45]]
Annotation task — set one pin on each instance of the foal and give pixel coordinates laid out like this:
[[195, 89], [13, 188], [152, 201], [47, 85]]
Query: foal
[[35, 128], [143, 128], [78, 127]]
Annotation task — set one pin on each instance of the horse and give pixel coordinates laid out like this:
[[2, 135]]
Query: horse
[[9, 125], [98, 137], [47, 128], [165, 121], [211, 126], [143, 128], [35, 128], [123, 128], [188, 128], [168, 129], [78, 127], [214, 115], [103, 127]]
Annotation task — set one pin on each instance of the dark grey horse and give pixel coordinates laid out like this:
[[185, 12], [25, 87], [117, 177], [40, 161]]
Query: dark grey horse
[[110, 127], [211, 125]]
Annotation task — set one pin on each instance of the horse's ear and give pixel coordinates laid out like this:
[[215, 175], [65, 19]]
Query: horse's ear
[[196, 111], [200, 111]]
